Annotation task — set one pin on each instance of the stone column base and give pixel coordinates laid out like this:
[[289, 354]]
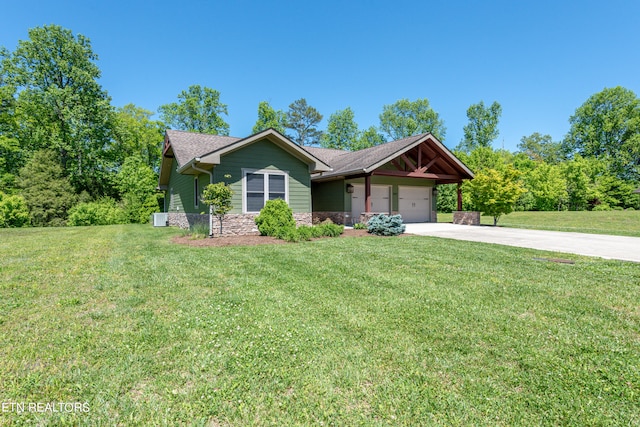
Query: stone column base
[[466, 218]]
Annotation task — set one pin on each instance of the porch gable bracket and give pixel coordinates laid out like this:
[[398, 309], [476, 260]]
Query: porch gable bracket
[[416, 174]]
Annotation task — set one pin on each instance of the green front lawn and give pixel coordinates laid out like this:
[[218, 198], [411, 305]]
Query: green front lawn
[[620, 223], [350, 331]]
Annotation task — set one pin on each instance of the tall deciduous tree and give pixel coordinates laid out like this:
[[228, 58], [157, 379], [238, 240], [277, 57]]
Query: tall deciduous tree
[[269, 117], [547, 187], [136, 135], [136, 182], [577, 172], [369, 137], [482, 128], [608, 125], [61, 105], [541, 148], [483, 158], [342, 131], [303, 120], [10, 153], [406, 118], [198, 110]]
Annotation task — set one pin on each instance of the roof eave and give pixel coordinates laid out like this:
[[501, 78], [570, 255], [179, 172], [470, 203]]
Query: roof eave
[[315, 164], [395, 154], [189, 166]]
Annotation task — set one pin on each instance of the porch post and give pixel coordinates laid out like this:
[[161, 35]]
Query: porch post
[[459, 196], [367, 193]]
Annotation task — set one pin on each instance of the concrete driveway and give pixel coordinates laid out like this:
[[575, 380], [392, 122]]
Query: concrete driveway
[[597, 245]]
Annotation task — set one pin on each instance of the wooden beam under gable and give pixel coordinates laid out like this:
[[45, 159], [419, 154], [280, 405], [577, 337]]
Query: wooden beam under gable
[[408, 161], [166, 148], [431, 163], [415, 174], [397, 164]]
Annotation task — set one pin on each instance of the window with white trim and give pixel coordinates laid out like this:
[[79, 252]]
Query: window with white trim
[[262, 185]]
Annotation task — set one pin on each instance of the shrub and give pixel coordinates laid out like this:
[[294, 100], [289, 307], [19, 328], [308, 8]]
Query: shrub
[[316, 231], [275, 215], [360, 226], [601, 207], [306, 232], [293, 235], [139, 210], [385, 225], [13, 211], [330, 229], [102, 212], [199, 230]]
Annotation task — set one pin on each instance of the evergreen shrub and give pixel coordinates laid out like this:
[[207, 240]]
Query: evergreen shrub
[[275, 216], [385, 225]]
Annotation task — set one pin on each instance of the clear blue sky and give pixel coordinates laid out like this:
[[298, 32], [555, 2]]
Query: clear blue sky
[[539, 59]]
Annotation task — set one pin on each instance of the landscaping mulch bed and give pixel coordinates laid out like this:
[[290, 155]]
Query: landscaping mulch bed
[[251, 239]]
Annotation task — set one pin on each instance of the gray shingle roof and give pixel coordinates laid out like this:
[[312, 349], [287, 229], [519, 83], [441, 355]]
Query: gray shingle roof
[[189, 145], [344, 162]]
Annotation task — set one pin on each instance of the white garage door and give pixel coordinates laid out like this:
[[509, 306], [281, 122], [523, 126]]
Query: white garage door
[[414, 203], [380, 200]]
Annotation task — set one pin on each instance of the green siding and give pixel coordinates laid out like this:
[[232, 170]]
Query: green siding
[[180, 197], [266, 155], [328, 196], [180, 191]]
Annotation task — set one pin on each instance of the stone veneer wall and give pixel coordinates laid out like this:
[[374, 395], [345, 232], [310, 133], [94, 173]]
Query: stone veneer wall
[[466, 218], [366, 216], [343, 218], [186, 220], [232, 225]]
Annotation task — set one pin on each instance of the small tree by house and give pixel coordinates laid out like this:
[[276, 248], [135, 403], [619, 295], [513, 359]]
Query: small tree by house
[[218, 197], [495, 192]]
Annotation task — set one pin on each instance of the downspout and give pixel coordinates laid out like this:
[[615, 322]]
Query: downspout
[[210, 173]]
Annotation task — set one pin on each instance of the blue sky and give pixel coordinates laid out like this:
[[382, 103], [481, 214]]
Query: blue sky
[[539, 59]]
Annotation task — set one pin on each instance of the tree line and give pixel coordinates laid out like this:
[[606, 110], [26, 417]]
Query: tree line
[[68, 156], [595, 167]]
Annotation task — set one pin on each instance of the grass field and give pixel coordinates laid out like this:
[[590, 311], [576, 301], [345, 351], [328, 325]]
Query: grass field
[[621, 223], [351, 331]]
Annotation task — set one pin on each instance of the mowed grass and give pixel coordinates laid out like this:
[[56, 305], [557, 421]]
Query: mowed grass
[[620, 223], [351, 331]]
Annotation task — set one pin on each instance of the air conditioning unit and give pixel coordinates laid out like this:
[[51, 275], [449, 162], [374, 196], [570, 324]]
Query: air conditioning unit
[[160, 219]]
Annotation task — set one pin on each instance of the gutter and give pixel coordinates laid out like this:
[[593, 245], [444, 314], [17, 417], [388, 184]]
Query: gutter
[[195, 168]]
